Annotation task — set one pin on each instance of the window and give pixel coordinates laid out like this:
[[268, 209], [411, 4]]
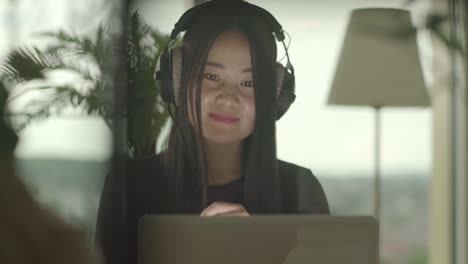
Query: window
[[64, 156]]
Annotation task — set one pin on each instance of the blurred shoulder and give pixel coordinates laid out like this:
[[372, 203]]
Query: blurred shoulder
[[291, 172], [302, 191]]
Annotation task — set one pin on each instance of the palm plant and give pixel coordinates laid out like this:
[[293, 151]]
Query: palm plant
[[90, 60], [147, 114], [8, 138]]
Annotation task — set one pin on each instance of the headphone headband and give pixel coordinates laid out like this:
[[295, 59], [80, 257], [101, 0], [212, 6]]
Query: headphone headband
[[187, 18]]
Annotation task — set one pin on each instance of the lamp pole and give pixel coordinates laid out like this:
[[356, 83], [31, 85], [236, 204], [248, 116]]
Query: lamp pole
[[377, 176]]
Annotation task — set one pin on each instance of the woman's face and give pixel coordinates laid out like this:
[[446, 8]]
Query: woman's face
[[227, 92]]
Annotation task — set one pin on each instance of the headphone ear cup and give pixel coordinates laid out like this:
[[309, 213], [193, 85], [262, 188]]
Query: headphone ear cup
[[162, 74], [285, 90], [280, 75], [169, 72], [176, 72]]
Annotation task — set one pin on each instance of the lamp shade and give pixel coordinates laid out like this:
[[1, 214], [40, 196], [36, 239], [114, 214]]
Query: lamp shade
[[379, 64]]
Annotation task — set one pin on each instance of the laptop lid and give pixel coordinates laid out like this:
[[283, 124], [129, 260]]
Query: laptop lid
[[261, 239]]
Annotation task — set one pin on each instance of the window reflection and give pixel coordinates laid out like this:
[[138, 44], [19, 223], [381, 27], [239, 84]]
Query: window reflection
[[51, 67], [64, 159]]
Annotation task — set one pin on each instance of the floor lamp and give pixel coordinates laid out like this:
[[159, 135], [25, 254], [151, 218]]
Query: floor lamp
[[379, 67]]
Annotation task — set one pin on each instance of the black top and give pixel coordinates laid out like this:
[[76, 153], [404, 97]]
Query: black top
[[119, 212], [231, 192]]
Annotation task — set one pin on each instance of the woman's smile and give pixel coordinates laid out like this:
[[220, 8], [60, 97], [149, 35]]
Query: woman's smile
[[224, 118]]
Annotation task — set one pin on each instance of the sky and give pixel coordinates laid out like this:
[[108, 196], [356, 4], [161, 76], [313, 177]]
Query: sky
[[330, 140]]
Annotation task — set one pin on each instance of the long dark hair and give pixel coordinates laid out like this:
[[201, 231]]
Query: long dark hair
[[186, 167]]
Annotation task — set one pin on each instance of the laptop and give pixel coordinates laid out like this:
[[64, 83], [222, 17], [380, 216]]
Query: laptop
[[261, 239]]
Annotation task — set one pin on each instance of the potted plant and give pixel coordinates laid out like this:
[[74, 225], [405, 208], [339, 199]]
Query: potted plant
[[89, 59]]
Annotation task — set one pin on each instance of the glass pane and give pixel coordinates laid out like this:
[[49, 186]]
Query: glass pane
[[55, 67], [337, 142]]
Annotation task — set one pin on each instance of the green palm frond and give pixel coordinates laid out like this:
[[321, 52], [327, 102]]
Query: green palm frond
[[94, 46], [42, 109], [26, 64], [134, 37], [58, 51], [137, 28], [63, 37], [101, 46]]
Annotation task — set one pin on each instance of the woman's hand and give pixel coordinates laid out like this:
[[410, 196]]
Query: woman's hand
[[224, 209]]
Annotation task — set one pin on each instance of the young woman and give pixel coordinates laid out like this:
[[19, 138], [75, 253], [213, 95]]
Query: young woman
[[221, 151]]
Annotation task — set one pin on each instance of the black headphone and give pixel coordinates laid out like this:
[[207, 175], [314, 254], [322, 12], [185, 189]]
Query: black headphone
[[169, 72]]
